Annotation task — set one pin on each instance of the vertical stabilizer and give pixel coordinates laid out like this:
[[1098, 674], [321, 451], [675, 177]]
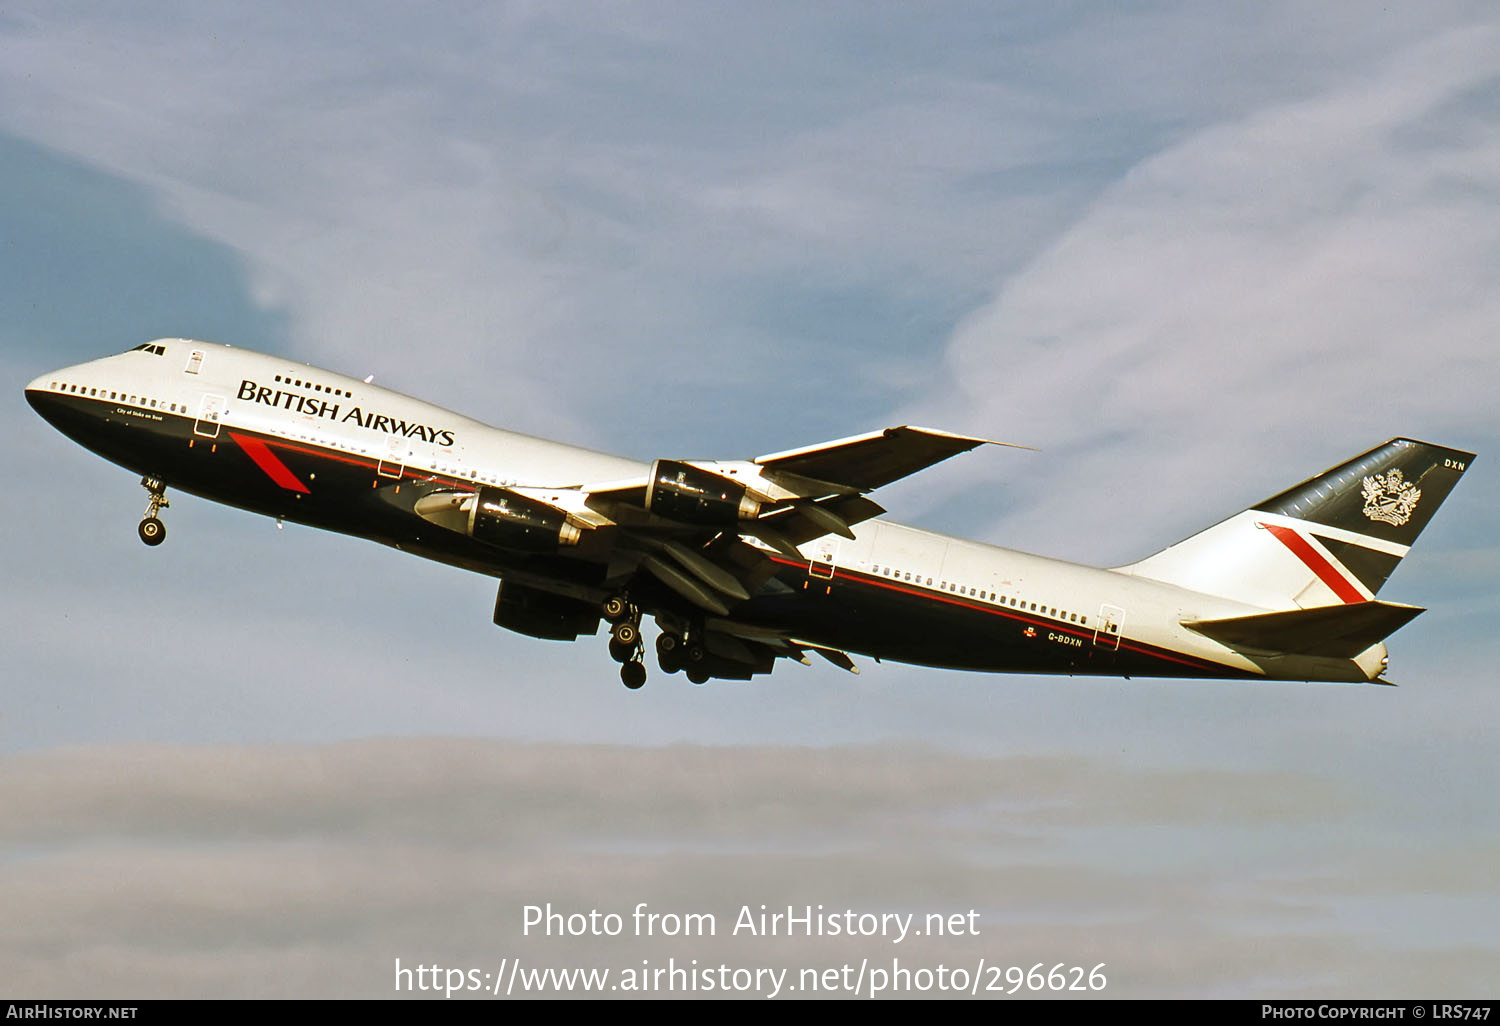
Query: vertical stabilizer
[[1333, 539]]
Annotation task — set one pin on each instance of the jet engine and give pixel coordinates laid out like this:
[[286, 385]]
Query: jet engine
[[511, 521], [542, 614], [692, 495], [501, 517]]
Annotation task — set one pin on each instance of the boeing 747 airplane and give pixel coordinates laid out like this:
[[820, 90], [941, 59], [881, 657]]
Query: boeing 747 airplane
[[741, 562]]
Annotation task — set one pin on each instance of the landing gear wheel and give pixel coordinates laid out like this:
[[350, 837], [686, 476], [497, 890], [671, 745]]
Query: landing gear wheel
[[626, 633], [633, 674], [152, 531], [669, 652], [621, 653], [615, 608], [697, 676]]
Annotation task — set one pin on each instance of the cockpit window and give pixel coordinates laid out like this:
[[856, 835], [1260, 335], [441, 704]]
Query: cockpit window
[[150, 347]]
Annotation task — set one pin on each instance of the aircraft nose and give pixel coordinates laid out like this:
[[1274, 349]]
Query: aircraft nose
[[36, 391], [43, 397]]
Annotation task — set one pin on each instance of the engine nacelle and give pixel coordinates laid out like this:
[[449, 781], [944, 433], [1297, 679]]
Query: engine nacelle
[[541, 614], [507, 520], [692, 495]]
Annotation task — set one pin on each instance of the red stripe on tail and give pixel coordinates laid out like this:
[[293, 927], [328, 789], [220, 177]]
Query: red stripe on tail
[[1325, 570]]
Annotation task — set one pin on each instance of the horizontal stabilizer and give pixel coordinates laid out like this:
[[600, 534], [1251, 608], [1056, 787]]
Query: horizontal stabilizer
[[1341, 632]]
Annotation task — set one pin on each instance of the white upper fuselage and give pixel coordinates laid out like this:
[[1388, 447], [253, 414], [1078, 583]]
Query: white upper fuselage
[[298, 402]]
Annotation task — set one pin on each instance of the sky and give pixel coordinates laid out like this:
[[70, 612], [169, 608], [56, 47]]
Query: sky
[[1193, 254]]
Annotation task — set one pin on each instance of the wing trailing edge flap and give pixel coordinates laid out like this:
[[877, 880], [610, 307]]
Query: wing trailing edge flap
[[780, 643], [787, 528], [1341, 632], [687, 584]]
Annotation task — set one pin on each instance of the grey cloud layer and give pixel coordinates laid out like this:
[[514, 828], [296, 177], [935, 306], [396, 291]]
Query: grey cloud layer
[[284, 870]]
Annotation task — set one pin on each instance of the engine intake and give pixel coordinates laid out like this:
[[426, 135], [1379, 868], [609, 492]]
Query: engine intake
[[692, 495]]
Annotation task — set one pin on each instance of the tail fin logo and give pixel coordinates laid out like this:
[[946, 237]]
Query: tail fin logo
[[1389, 498]]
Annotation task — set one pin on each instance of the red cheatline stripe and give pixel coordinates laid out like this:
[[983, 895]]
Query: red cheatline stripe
[[1303, 550], [333, 454], [1003, 612], [268, 461]]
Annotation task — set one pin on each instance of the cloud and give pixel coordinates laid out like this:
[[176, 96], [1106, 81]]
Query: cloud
[[1273, 293], [788, 217], [306, 870], [543, 203]]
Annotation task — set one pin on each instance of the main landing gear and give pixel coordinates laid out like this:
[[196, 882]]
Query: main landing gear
[[625, 639], [674, 652], [151, 529], [676, 648]]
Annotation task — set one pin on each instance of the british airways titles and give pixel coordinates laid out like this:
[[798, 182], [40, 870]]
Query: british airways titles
[[315, 407]]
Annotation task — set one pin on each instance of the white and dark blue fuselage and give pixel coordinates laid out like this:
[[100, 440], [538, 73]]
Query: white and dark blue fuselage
[[290, 441]]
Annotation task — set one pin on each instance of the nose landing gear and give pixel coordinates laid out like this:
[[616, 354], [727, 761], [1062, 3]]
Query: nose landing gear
[[151, 529]]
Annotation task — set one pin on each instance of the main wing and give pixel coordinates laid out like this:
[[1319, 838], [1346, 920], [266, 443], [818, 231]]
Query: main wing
[[693, 539], [866, 462], [805, 480]]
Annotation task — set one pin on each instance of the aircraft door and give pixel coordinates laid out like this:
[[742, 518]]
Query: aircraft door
[[825, 552], [1107, 630], [210, 413], [393, 463]]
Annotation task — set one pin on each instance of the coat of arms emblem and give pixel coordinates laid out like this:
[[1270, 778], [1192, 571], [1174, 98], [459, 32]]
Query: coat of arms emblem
[[1389, 498]]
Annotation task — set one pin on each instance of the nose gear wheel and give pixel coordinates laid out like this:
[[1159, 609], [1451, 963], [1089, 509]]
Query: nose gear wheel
[[151, 529]]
